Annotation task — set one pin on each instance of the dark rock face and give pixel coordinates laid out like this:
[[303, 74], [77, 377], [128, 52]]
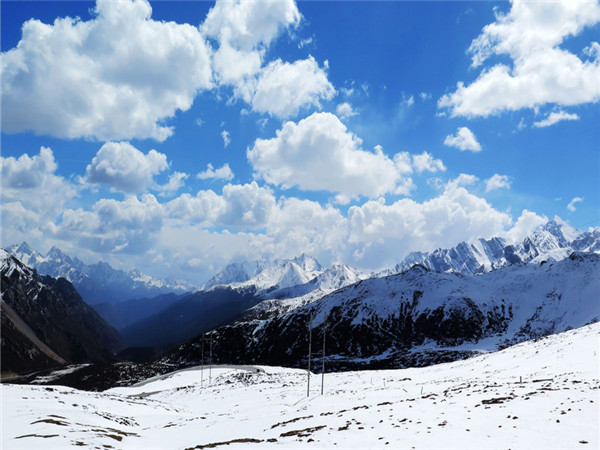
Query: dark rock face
[[56, 315]]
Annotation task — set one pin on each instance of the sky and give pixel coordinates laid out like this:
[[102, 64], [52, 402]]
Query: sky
[[177, 137]]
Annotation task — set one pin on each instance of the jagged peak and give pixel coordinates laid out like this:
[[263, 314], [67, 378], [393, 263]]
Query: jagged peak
[[25, 248]]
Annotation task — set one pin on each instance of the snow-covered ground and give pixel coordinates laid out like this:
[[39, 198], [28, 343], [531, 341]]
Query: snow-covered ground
[[539, 394]]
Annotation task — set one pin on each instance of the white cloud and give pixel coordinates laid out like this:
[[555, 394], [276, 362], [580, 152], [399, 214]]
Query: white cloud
[[233, 66], [33, 183], [129, 226], [222, 173], [571, 206], [124, 168], [202, 210], [344, 110], [530, 34], [497, 182], [463, 179], [527, 222], [463, 140], [250, 25], [243, 31], [426, 162], [555, 117], [347, 92], [240, 207], [319, 153], [176, 182], [381, 233], [282, 89], [226, 138], [425, 96], [247, 206], [114, 77]]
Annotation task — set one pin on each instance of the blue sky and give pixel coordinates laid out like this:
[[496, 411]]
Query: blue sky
[[177, 137]]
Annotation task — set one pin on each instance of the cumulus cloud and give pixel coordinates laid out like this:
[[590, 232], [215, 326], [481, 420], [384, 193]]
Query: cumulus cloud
[[129, 226], [176, 182], [282, 89], [530, 34], [222, 173], [464, 139], [555, 117], [527, 222], [124, 168], [32, 182], [464, 179], [426, 162], [571, 206], [497, 182], [247, 206], [244, 31], [240, 206], [319, 153], [117, 76], [250, 25], [381, 231], [345, 110]]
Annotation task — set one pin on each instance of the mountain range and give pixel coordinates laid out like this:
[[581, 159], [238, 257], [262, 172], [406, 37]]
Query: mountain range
[[553, 241], [97, 283], [446, 298], [418, 317], [45, 322]]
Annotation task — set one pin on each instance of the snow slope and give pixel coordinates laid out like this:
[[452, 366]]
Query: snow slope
[[539, 394]]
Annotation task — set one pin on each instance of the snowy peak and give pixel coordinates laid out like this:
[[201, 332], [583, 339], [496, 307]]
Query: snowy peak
[[336, 277], [554, 241], [308, 263], [24, 253], [564, 232], [97, 283], [263, 274]]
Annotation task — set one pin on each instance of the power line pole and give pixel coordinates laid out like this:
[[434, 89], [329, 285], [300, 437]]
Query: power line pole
[[309, 353], [323, 356], [211, 361], [202, 367]]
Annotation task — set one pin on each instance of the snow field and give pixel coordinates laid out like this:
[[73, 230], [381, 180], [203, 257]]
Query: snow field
[[538, 394]]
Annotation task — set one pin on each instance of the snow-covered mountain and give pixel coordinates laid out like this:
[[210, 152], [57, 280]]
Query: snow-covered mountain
[[99, 282], [420, 317], [46, 323], [267, 274], [553, 241], [540, 394]]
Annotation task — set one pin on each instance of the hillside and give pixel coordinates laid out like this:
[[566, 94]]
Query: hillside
[[419, 317], [46, 323], [538, 394]]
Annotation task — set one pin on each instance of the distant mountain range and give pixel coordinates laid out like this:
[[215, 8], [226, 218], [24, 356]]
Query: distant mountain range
[[553, 241], [418, 317], [252, 300], [45, 322], [97, 283]]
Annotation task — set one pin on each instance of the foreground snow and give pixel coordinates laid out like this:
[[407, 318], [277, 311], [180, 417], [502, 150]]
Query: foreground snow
[[477, 403]]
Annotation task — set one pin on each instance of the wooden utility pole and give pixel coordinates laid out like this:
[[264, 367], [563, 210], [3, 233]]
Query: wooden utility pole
[[323, 356], [309, 354]]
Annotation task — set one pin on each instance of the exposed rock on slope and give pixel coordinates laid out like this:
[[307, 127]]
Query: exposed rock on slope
[[420, 317], [45, 322]]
